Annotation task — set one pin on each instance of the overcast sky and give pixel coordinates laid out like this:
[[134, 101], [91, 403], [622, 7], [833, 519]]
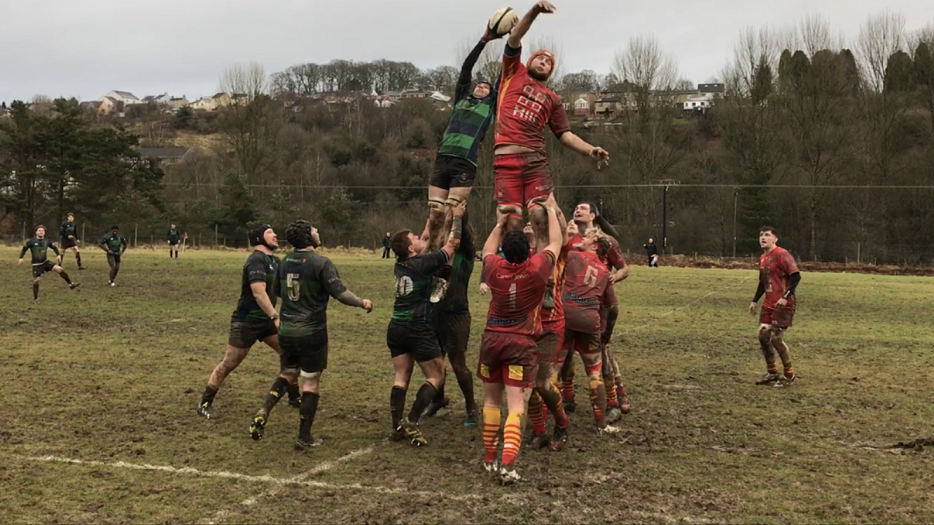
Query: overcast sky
[[86, 48]]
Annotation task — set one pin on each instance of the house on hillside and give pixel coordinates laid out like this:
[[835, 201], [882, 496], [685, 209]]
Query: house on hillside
[[413, 93], [156, 99], [124, 97], [608, 105], [394, 96], [715, 90], [220, 100], [698, 102], [166, 155], [383, 101], [584, 105], [177, 103], [439, 97], [203, 103]]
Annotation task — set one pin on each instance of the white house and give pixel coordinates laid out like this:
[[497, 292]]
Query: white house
[[437, 96], [122, 96], [205, 103], [699, 102]]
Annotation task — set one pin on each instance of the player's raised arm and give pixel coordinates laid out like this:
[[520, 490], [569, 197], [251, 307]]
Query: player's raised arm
[[457, 226], [462, 89], [495, 239], [518, 32], [579, 145], [555, 231]]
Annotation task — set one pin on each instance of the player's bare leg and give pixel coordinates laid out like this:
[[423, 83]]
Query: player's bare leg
[[434, 377], [539, 219], [233, 356], [492, 419], [61, 272], [550, 397], [613, 412], [517, 399], [513, 214], [765, 342], [567, 383], [778, 343], [402, 367], [622, 397], [593, 363], [465, 382]]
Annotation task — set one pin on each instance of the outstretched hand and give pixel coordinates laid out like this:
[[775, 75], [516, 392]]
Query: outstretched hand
[[602, 156], [367, 305], [460, 209], [545, 7]]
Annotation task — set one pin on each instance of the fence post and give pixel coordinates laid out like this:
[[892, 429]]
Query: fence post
[[24, 232], [135, 235], [215, 236], [858, 254], [225, 241], [199, 241]]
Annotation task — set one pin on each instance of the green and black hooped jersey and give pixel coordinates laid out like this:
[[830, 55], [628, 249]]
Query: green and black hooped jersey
[[307, 281], [259, 268], [471, 117], [173, 235], [413, 287], [68, 229], [38, 248], [113, 243]]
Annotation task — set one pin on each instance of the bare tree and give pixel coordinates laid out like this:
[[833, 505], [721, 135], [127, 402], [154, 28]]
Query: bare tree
[[879, 38], [755, 49], [252, 122], [813, 34], [490, 64], [644, 65]]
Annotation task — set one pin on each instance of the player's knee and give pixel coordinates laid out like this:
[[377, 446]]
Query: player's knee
[[454, 201], [765, 334], [313, 376], [508, 209], [777, 335]]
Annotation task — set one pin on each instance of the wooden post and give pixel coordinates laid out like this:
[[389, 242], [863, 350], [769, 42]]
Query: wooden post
[[858, 254], [135, 235], [215, 236]]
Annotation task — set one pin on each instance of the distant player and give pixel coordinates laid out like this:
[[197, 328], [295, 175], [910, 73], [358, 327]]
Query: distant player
[[115, 246], [173, 236], [778, 279], [410, 336], [586, 216], [585, 289], [456, 161], [306, 282], [651, 252], [525, 106], [69, 234], [255, 318], [451, 322], [38, 247], [508, 349]]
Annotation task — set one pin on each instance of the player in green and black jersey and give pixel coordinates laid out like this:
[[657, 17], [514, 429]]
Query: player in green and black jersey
[[410, 336], [255, 318], [173, 237], [69, 234], [115, 245], [451, 322], [306, 282], [38, 248]]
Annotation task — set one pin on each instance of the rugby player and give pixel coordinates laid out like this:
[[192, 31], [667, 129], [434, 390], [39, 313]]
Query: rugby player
[[778, 279], [115, 246], [68, 232], [255, 318], [306, 282], [508, 362], [173, 236], [38, 248], [410, 337]]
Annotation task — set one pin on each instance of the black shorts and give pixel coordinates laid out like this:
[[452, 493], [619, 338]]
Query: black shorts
[[39, 269], [69, 243], [308, 354], [452, 172], [176, 242], [113, 258], [452, 331], [244, 334], [417, 340]]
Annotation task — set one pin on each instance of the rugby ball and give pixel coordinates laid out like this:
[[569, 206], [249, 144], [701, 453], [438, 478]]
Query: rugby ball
[[503, 20]]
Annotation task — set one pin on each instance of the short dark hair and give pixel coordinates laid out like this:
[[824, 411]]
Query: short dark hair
[[399, 244], [515, 247], [39, 226], [114, 228], [593, 208], [298, 234], [769, 229]]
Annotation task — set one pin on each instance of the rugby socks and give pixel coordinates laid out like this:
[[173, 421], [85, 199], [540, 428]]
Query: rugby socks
[[512, 437], [397, 405], [598, 400], [422, 399], [466, 385], [439, 395], [35, 291], [555, 404], [609, 385], [491, 419], [535, 413], [65, 277], [276, 391], [307, 411], [208, 395], [294, 393], [567, 380]]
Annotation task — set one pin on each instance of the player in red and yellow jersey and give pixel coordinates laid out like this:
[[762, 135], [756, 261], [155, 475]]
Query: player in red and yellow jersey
[[778, 279], [586, 215], [585, 289], [517, 283], [525, 106]]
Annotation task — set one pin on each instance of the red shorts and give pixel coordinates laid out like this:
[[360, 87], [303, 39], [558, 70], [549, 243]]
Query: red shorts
[[520, 179], [583, 343], [551, 340], [508, 359], [777, 317]]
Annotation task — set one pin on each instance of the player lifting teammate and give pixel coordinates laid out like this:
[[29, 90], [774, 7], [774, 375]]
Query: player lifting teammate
[[115, 246], [38, 247], [586, 216], [255, 318], [517, 283], [778, 279], [451, 322], [410, 337], [68, 232], [306, 282], [456, 161], [525, 106], [173, 237], [585, 290]]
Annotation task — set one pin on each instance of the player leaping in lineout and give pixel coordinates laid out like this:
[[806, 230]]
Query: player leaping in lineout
[[456, 161], [524, 107]]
